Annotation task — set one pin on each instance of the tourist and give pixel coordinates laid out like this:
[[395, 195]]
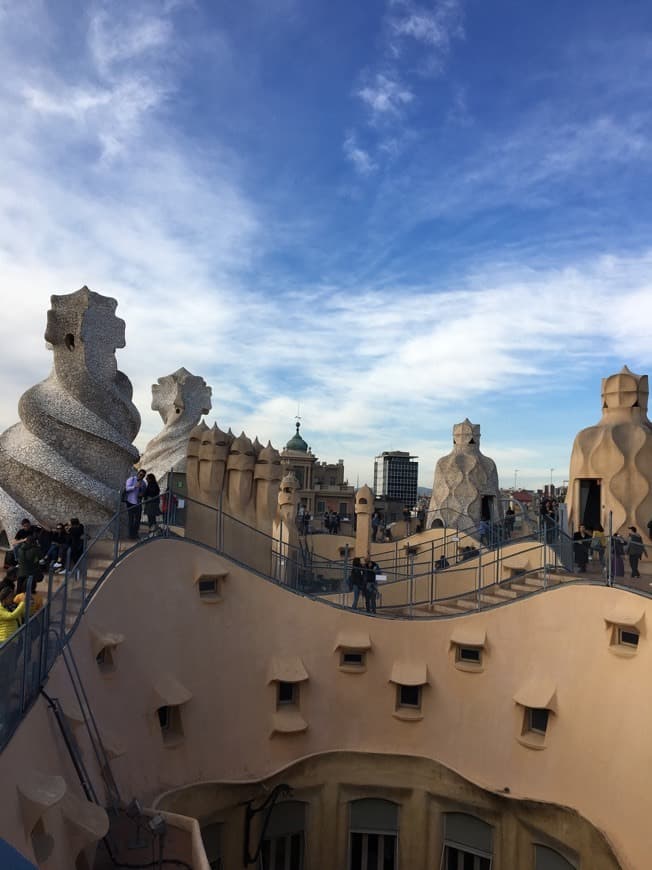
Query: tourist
[[306, 523], [56, 552], [327, 522], [134, 489], [29, 556], [371, 571], [617, 553], [510, 518], [356, 581], [9, 618], [442, 563], [484, 531], [26, 528], [635, 550], [598, 544], [407, 514], [336, 519], [469, 553], [75, 540], [581, 540], [421, 519], [152, 500], [35, 600], [375, 525]]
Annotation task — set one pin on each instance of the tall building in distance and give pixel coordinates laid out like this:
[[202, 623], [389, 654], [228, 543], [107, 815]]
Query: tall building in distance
[[395, 477]]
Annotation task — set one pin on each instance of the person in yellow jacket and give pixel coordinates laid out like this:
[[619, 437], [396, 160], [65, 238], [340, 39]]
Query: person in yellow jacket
[[36, 599], [9, 619]]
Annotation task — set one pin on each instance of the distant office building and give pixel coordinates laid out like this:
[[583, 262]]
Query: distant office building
[[395, 477]]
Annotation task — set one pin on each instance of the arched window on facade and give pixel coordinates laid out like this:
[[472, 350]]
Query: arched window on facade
[[467, 843], [283, 846], [546, 858], [373, 834]]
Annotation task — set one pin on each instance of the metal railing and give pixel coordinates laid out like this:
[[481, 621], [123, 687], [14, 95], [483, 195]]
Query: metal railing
[[28, 656]]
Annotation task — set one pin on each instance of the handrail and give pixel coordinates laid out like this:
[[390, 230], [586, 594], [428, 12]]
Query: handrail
[[30, 653]]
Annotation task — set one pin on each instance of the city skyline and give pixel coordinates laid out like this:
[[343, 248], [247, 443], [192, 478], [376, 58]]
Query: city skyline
[[396, 215]]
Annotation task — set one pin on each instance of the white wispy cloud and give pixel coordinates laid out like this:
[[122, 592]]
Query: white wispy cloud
[[360, 158], [387, 90], [130, 36], [385, 95], [434, 25]]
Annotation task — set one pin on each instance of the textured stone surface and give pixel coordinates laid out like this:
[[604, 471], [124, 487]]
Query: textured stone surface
[[618, 453], [462, 479], [72, 450], [181, 399]]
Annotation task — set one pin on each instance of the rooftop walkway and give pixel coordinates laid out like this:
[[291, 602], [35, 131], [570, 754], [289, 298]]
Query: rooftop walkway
[[416, 589]]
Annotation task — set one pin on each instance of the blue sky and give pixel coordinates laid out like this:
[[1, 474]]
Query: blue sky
[[393, 214]]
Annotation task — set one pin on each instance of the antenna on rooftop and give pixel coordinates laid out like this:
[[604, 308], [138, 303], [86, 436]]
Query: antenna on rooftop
[[298, 415]]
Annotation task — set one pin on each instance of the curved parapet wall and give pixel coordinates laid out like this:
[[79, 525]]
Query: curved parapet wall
[[611, 462], [233, 487], [463, 480], [72, 450], [239, 638], [181, 399]]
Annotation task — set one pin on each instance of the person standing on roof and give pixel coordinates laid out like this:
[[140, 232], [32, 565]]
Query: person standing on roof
[[134, 490], [635, 550]]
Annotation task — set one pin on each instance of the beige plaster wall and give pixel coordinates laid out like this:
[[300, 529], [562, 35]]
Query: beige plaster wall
[[595, 749]]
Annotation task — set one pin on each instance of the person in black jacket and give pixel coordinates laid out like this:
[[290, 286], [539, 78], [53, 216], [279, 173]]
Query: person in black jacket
[[371, 569], [635, 550], [151, 500], [581, 540], [76, 540], [357, 581]]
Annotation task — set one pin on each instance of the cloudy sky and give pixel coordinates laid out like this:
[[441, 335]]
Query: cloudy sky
[[392, 214]]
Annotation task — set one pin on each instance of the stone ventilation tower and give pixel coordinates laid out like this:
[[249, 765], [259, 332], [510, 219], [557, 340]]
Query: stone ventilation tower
[[465, 488], [181, 399], [611, 462], [72, 450]]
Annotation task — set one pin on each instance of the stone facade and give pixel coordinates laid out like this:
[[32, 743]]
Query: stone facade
[[72, 449], [465, 488], [611, 462], [181, 399]]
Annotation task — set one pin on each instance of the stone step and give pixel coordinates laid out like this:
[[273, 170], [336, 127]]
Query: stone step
[[492, 598], [504, 592], [535, 580], [445, 609], [466, 603], [523, 588]]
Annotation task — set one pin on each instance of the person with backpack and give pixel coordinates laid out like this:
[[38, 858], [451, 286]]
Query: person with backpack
[[635, 550], [29, 556]]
